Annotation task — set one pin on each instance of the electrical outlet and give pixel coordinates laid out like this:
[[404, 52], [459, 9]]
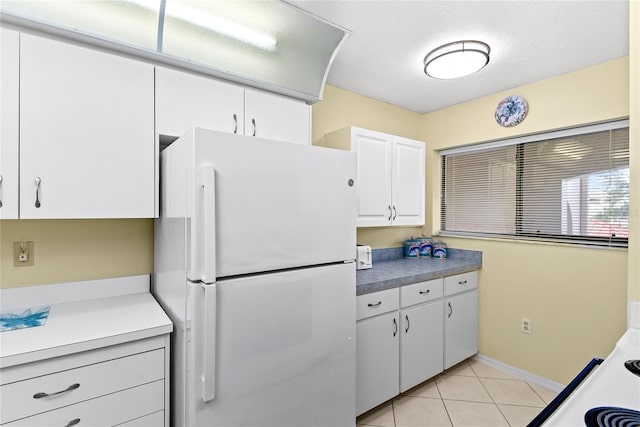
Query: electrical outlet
[[525, 326], [23, 254]]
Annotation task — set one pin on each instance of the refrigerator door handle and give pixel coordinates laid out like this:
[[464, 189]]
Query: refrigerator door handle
[[208, 180], [208, 375]]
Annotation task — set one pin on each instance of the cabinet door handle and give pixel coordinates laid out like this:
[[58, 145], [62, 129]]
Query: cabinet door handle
[[395, 327], [406, 316], [41, 394], [0, 191], [394, 212], [450, 309], [425, 292], [235, 124], [73, 422], [378, 304], [462, 283], [389, 207], [38, 181], [253, 122]]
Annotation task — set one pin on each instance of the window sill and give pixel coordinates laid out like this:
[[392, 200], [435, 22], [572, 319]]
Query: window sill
[[530, 240]]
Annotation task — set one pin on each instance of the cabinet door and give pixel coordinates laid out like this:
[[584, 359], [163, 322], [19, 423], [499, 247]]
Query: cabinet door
[[373, 177], [86, 133], [460, 327], [420, 344], [185, 100], [9, 81], [377, 359], [276, 117], [408, 181]]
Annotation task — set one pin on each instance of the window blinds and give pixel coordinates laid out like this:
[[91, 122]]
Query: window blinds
[[573, 186]]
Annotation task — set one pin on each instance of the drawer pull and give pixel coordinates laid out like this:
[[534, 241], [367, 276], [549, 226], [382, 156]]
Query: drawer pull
[[425, 292], [73, 422], [462, 283], [378, 304], [71, 387]]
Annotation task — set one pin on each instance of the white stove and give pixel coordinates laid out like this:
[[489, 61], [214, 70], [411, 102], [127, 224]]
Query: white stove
[[611, 385]]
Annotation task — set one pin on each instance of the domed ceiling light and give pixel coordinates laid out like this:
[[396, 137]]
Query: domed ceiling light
[[457, 59]]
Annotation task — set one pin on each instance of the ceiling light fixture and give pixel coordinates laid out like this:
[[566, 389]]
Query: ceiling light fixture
[[457, 59], [221, 25]]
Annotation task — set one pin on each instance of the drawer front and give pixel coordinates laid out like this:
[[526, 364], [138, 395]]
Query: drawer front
[[377, 303], [17, 400], [132, 405], [152, 420], [420, 292], [460, 283]]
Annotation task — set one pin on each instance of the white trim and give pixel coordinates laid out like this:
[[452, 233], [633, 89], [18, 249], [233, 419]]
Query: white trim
[[493, 145], [527, 376], [633, 314], [60, 293]]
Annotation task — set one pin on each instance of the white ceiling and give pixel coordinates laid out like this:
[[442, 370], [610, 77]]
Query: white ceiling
[[530, 41]]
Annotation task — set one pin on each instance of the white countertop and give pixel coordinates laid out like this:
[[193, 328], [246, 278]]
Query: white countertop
[[83, 316]]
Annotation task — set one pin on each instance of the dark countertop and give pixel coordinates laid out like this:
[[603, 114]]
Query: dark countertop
[[396, 272]]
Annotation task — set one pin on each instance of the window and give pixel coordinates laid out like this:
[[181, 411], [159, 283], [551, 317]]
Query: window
[[570, 185]]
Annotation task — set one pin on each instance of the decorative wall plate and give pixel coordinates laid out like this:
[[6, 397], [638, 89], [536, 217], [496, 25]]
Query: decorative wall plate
[[511, 111]]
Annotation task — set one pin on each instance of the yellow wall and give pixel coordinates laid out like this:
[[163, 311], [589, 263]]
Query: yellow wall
[[576, 297], [73, 250], [340, 109], [634, 152]]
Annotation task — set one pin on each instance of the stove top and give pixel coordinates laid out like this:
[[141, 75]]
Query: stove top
[[633, 366], [610, 416], [610, 392]]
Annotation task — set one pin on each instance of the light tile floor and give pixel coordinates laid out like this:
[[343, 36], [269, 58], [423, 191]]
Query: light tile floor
[[470, 394]]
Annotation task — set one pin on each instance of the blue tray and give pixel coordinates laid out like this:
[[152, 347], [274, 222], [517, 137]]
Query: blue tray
[[23, 318]]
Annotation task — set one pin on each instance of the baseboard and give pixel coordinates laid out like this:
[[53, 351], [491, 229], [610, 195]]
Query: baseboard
[[527, 376]]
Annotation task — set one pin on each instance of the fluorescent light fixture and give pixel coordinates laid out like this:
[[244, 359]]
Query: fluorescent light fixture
[[220, 25], [457, 59]]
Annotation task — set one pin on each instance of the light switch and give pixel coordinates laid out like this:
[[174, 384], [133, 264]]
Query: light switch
[[23, 254]]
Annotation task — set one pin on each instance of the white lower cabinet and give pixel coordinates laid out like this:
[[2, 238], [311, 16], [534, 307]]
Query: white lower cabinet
[[410, 334], [103, 387], [420, 344], [377, 361], [461, 318]]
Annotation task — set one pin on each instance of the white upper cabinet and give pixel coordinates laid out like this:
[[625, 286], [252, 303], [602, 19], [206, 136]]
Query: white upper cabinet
[[408, 181], [374, 152], [9, 92], [86, 133], [390, 176], [184, 100], [278, 117]]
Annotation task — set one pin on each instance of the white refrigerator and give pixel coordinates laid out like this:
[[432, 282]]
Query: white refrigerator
[[254, 263]]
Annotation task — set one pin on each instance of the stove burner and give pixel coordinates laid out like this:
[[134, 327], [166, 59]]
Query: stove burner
[[633, 366], [610, 416]]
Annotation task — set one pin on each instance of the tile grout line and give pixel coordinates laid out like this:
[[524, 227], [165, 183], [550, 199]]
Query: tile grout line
[[536, 393], [491, 397]]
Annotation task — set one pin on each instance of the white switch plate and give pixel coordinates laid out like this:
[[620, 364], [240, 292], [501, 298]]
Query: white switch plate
[[525, 326]]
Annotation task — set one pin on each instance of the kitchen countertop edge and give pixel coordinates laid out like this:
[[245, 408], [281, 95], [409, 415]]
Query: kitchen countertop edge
[[395, 273]]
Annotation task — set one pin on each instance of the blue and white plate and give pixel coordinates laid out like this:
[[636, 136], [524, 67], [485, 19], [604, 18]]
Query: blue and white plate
[[23, 318], [511, 111]]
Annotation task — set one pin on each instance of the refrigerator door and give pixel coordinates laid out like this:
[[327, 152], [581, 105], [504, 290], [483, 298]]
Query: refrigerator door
[[276, 205], [284, 351]]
